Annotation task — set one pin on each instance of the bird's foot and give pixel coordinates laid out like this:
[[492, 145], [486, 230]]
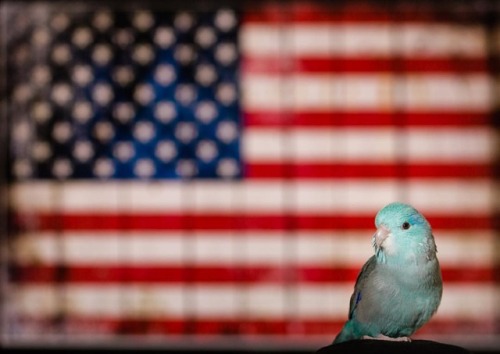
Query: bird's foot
[[382, 337]]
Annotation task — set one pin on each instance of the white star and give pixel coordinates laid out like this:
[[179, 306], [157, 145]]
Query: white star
[[62, 93], [165, 74], [124, 112], [226, 93], [185, 132], [62, 132], [104, 167], [22, 131], [143, 54], [82, 75], [206, 111], [82, 37], [123, 37], [61, 54], [41, 75], [227, 131], [164, 37], [206, 150], [41, 111], [41, 37], [104, 131], [102, 20], [41, 151], [165, 111], [166, 150], [143, 20], [124, 151], [22, 93], [184, 54], [22, 168], [185, 94], [225, 20], [186, 168], [59, 22], [62, 168], [183, 21], [144, 94], [144, 168], [227, 168], [205, 74], [102, 54], [83, 150], [144, 131], [82, 111], [102, 94], [225, 53], [123, 75], [205, 36]]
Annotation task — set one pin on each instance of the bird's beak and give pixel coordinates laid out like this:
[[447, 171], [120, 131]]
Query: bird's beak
[[381, 234]]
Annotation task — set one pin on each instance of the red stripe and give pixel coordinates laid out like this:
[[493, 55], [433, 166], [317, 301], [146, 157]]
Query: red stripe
[[217, 274], [355, 12], [340, 119], [311, 13], [234, 221], [349, 170], [294, 65], [293, 327], [195, 326]]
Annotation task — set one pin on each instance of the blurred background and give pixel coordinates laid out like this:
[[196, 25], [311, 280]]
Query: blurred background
[[205, 175]]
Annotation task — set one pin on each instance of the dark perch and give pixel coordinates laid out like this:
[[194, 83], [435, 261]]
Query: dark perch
[[388, 347]]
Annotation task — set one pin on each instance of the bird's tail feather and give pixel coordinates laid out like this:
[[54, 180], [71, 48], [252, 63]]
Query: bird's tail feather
[[347, 333]]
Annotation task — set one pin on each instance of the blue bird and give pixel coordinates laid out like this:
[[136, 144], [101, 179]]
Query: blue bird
[[399, 288]]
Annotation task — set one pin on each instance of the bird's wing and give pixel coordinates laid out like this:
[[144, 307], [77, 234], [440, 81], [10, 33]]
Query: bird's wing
[[357, 295]]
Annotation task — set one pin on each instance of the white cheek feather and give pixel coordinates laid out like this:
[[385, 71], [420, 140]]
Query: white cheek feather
[[388, 245]]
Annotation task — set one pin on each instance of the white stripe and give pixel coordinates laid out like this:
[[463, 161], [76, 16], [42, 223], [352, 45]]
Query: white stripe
[[445, 196], [327, 249], [382, 92], [267, 144], [99, 196], [381, 40], [372, 145], [109, 196], [450, 196], [469, 301], [448, 144], [263, 302]]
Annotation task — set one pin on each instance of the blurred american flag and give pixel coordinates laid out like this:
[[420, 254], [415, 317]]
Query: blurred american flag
[[215, 173]]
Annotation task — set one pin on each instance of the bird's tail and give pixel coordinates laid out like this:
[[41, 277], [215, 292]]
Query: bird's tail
[[347, 333]]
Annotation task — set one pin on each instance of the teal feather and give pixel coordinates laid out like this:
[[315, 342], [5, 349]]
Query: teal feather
[[399, 288]]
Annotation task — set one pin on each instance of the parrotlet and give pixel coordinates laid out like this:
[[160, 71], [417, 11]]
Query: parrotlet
[[399, 288]]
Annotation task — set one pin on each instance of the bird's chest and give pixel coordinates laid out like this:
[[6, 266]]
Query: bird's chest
[[410, 285], [403, 297]]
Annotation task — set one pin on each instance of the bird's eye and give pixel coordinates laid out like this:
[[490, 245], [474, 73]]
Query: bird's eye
[[406, 225]]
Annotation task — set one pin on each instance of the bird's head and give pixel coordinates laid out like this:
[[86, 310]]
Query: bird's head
[[403, 234]]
